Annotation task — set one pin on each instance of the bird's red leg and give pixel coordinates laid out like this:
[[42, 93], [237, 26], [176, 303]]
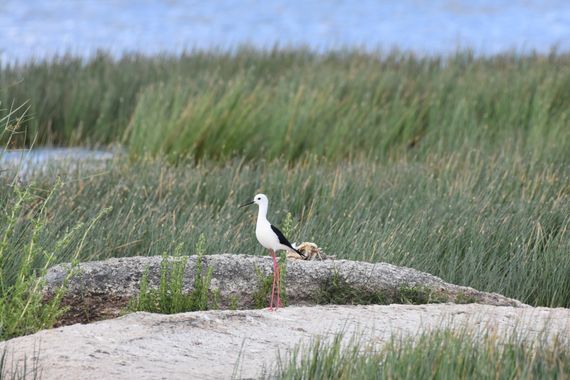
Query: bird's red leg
[[278, 286], [272, 252]]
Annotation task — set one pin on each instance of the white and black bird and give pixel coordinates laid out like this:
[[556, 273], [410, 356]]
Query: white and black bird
[[271, 238]]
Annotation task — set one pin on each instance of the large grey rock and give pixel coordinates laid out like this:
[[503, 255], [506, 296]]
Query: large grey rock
[[208, 345], [103, 289]]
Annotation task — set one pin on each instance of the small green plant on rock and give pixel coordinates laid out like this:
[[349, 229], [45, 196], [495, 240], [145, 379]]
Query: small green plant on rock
[[201, 280], [170, 297], [261, 296], [337, 290], [463, 298], [263, 292], [419, 295], [233, 302]]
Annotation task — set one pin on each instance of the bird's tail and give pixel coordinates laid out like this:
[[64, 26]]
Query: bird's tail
[[299, 252]]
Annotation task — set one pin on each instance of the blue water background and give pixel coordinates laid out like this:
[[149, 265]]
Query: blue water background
[[40, 28]]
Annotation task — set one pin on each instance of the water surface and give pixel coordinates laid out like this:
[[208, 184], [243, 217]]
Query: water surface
[[39, 28], [51, 162]]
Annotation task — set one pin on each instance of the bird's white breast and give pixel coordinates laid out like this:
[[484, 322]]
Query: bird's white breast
[[266, 237]]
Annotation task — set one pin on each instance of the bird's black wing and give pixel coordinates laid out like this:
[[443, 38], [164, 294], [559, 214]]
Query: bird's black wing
[[283, 240]]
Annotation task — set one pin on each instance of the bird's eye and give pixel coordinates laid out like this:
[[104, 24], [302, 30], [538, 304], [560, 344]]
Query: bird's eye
[[258, 198]]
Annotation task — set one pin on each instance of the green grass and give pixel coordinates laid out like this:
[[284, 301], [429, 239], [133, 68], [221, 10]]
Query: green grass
[[442, 354], [170, 298], [337, 290], [295, 103], [262, 294], [24, 259]]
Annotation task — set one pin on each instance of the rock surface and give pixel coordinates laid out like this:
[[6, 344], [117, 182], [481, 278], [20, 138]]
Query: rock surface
[[208, 345], [103, 289]]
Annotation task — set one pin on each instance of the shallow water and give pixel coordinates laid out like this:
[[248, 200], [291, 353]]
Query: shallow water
[[37, 28], [51, 162]]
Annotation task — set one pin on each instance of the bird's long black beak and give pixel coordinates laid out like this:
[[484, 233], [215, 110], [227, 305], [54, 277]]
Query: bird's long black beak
[[246, 204]]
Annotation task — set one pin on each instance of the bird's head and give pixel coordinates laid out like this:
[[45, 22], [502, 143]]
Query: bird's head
[[259, 199]]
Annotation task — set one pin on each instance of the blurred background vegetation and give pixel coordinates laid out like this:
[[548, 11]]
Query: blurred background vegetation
[[290, 104]]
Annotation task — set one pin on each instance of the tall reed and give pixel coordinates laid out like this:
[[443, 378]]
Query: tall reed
[[295, 103]]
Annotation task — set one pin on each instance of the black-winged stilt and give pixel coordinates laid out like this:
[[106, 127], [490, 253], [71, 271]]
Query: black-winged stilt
[[271, 238]]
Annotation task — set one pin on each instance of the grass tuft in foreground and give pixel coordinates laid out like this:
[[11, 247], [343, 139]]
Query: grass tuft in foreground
[[24, 260], [442, 354]]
